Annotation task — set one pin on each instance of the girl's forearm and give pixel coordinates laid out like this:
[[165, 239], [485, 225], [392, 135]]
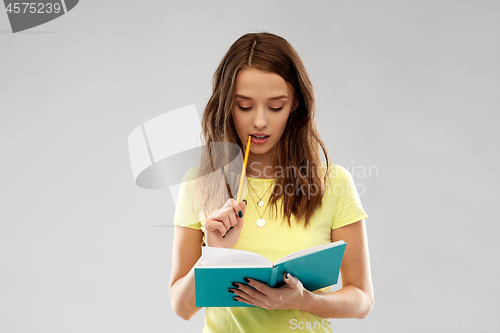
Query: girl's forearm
[[182, 295], [348, 302]]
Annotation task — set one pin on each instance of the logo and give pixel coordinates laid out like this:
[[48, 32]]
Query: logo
[[163, 149], [26, 15]]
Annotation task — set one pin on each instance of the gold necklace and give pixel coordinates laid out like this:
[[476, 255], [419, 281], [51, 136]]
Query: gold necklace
[[260, 221], [261, 202]]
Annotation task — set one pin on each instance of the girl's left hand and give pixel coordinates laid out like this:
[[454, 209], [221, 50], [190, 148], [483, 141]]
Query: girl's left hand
[[289, 296]]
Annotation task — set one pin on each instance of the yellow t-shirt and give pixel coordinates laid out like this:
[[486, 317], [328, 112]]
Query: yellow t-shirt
[[341, 206]]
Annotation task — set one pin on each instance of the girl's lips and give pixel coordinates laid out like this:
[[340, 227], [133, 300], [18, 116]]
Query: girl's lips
[[259, 141]]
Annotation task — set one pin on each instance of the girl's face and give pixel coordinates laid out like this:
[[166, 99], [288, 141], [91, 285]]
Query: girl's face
[[261, 108]]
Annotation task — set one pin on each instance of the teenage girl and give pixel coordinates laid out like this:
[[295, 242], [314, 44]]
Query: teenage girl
[[293, 202]]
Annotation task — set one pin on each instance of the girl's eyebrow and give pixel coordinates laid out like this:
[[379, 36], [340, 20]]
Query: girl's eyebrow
[[250, 98]]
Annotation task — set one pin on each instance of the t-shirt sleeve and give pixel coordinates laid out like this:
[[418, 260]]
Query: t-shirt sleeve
[[348, 208], [186, 214]]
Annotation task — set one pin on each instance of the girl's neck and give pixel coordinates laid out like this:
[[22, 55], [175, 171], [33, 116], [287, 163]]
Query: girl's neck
[[260, 166]]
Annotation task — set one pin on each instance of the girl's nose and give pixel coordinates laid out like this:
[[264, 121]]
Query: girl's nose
[[260, 119]]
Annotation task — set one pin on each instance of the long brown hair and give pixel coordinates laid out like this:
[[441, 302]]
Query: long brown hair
[[298, 148]]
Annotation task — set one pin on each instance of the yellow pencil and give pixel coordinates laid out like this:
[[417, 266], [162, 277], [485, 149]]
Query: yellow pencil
[[244, 169]]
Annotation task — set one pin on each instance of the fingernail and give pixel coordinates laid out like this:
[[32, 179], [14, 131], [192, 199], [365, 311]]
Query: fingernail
[[234, 285], [245, 202], [234, 299], [227, 232], [232, 292], [246, 280], [240, 214], [287, 275]]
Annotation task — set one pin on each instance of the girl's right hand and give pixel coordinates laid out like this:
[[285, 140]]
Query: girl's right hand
[[221, 220]]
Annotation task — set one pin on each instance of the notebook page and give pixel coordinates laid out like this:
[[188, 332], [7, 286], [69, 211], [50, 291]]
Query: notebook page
[[222, 256], [308, 251]]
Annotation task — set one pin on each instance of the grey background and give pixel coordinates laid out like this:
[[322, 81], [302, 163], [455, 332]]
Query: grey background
[[410, 87]]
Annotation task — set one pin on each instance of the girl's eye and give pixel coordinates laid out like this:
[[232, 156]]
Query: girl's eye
[[249, 108]]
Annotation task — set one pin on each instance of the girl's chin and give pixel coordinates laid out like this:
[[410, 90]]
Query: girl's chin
[[260, 150]]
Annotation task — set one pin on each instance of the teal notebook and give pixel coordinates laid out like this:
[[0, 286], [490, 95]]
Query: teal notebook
[[316, 267]]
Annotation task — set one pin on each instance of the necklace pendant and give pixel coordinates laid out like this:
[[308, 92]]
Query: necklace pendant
[[261, 222], [260, 203]]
